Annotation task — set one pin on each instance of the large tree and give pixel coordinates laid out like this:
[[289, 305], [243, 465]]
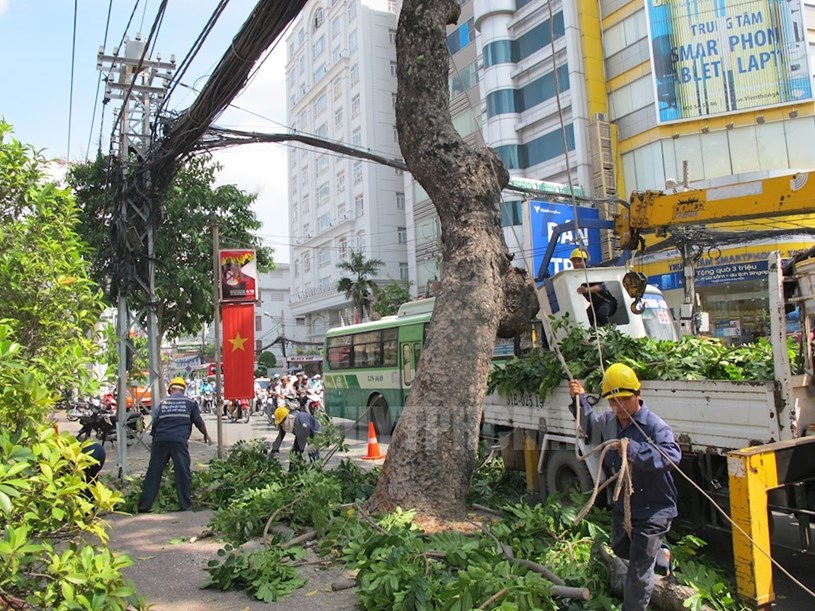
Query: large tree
[[434, 447], [359, 286], [189, 208]]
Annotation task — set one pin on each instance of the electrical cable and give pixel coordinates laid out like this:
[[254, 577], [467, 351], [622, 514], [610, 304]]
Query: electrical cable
[[98, 85], [71, 89]]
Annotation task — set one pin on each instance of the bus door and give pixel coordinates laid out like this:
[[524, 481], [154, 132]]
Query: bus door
[[409, 351]]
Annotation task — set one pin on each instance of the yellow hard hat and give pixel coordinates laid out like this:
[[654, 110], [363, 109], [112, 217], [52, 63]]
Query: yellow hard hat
[[178, 381], [579, 253], [280, 414], [620, 381]]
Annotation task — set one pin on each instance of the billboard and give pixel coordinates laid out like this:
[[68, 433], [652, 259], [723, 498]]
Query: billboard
[[238, 275], [711, 57], [543, 218]]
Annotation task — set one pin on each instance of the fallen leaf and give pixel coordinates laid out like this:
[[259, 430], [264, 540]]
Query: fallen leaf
[[145, 557], [177, 540]]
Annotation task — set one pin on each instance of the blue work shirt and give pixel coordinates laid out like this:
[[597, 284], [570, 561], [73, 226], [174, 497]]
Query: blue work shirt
[[654, 493], [173, 418]]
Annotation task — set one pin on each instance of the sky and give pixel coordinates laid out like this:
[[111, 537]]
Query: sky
[[36, 41]]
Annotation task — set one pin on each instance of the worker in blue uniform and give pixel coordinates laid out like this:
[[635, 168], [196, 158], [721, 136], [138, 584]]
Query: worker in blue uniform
[[172, 421], [652, 454]]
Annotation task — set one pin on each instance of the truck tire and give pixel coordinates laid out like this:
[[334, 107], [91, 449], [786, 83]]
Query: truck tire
[[565, 472], [379, 414]]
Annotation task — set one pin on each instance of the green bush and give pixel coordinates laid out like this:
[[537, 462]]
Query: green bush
[[53, 550]]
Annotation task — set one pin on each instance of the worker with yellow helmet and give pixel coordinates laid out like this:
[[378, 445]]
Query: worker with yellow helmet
[[172, 421], [652, 453], [302, 424], [602, 304]]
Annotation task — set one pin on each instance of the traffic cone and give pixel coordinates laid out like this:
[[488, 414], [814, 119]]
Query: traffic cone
[[373, 445]]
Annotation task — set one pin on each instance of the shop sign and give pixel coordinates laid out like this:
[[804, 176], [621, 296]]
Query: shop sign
[[712, 274]]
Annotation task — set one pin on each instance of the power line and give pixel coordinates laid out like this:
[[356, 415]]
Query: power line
[[98, 85], [71, 89]]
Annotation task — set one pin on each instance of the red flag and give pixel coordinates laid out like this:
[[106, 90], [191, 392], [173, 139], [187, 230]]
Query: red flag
[[239, 351]]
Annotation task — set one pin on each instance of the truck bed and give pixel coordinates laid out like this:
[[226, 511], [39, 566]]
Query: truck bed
[[706, 416]]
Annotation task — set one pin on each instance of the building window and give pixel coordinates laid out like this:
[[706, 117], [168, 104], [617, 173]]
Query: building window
[[461, 37], [338, 118], [325, 257], [392, 36], [393, 100], [341, 214], [322, 164], [361, 241], [395, 134], [400, 200], [511, 213], [401, 235], [306, 230], [320, 104], [304, 120], [304, 177], [464, 79], [337, 88], [403, 271], [323, 193], [307, 262], [296, 268], [355, 107], [352, 10], [300, 321], [319, 46], [336, 26], [294, 214], [302, 65], [341, 181], [322, 131], [336, 55], [354, 74], [342, 247], [359, 205], [357, 172], [319, 72], [353, 45], [301, 36], [319, 17], [393, 68], [356, 137], [306, 201]]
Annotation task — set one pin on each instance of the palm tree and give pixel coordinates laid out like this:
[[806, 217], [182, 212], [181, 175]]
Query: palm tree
[[359, 286]]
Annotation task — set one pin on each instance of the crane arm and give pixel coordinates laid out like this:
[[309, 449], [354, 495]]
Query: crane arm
[[656, 211]]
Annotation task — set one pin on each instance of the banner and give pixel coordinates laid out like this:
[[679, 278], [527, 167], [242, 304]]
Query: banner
[[238, 275], [239, 351], [543, 218], [711, 57]]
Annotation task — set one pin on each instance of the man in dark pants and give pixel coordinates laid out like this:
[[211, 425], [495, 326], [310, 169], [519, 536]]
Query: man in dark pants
[[303, 425], [652, 453], [172, 424]]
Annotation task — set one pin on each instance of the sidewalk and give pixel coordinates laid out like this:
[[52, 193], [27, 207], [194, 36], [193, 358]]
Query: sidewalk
[[168, 569]]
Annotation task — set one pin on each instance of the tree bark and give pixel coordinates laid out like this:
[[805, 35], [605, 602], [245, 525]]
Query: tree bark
[[434, 447]]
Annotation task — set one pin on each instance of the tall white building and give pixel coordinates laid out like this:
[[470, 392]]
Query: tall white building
[[273, 317], [341, 86]]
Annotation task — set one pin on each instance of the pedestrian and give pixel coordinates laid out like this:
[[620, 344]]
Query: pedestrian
[[302, 424], [602, 304], [172, 421], [652, 454]]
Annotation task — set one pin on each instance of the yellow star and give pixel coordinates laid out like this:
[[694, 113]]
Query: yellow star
[[238, 342]]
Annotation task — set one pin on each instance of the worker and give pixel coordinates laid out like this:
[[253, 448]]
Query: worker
[[602, 304], [172, 421], [303, 424], [652, 454]]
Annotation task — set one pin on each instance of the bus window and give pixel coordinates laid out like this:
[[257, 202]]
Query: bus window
[[390, 343], [367, 349], [339, 352]]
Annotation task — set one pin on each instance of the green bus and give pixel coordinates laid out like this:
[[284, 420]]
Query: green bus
[[370, 366]]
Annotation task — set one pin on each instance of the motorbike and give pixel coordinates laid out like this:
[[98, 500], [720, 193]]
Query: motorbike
[[314, 403], [207, 403], [101, 422], [75, 410], [238, 410]]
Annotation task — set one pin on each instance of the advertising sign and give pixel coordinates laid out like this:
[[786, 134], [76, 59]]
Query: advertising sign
[[711, 57], [238, 275], [543, 218]]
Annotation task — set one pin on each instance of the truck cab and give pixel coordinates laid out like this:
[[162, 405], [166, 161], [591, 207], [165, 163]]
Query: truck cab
[[560, 294]]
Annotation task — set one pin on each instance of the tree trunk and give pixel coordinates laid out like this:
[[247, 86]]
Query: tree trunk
[[434, 447]]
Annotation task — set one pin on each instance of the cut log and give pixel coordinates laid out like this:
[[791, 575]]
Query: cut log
[[668, 595]]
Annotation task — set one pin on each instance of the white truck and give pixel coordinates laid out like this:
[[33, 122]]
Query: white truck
[[709, 418]]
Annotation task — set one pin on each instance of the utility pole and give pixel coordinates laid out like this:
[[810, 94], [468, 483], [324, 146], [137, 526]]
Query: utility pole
[[130, 78], [283, 340], [216, 305]]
